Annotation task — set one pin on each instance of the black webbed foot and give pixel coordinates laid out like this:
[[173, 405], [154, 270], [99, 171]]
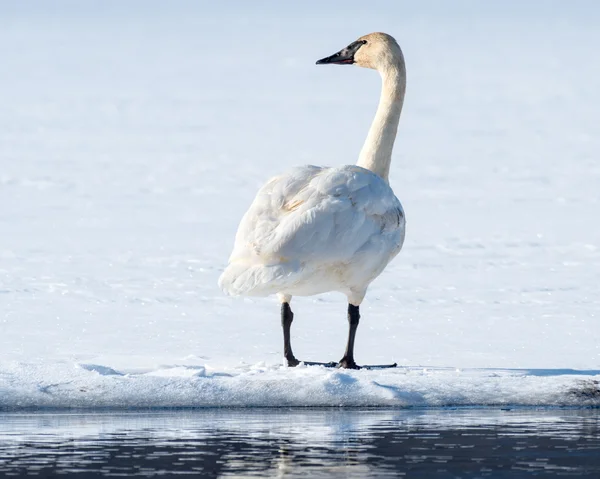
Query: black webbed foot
[[330, 364], [345, 364]]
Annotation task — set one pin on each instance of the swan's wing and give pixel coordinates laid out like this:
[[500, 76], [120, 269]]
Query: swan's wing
[[318, 215]]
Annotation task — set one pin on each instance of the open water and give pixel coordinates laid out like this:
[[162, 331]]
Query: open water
[[448, 443]]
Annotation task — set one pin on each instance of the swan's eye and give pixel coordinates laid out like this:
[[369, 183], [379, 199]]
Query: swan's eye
[[364, 42]]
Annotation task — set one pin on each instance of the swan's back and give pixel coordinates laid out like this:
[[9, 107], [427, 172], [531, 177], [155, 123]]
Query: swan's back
[[306, 223]]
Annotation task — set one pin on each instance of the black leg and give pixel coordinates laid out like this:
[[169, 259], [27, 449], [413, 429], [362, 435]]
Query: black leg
[[286, 321], [348, 360]]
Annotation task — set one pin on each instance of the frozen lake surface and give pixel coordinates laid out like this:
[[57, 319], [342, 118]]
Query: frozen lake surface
[[133, 136], [471, 443]]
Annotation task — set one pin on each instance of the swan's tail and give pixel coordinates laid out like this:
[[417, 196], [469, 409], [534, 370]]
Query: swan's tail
[[243, 279]]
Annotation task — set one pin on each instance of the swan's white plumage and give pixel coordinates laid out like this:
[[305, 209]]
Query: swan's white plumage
[[316, 229]]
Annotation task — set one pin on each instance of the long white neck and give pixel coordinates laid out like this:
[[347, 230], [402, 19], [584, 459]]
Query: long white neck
[[376, 153]]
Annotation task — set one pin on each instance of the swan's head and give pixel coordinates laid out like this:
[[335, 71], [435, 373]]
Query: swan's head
[[375, 50]]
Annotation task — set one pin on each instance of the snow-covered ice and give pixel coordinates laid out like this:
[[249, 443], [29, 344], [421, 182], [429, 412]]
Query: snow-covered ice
[[88, 386], [133, 136]]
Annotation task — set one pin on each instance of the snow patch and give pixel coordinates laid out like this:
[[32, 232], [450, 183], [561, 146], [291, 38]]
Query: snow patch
[[93, 386], [102, 370], [179, 372]]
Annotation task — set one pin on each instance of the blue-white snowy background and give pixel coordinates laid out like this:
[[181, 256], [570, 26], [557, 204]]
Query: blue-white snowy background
[[133, 136]]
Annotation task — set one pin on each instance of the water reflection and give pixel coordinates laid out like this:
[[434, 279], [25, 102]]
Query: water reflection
[[304, 443]]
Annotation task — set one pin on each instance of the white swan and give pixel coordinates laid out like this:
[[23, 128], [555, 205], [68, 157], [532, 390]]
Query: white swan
[[317, 229]]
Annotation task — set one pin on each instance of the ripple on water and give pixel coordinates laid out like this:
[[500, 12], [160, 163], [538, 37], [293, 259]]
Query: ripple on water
[[304, 443]]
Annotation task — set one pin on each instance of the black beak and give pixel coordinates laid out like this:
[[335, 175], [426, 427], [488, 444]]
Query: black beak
[[344, 56]]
